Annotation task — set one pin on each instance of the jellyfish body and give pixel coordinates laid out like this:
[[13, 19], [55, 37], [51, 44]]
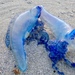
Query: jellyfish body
[[19, 31]]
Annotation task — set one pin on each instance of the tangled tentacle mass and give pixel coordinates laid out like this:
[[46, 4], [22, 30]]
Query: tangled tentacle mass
[[56, 49]]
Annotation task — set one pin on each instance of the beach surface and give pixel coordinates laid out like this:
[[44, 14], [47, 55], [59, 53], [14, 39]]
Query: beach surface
[[38, 62]]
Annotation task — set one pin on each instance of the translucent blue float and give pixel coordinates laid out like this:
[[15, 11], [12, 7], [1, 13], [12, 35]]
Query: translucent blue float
[[18, 32]]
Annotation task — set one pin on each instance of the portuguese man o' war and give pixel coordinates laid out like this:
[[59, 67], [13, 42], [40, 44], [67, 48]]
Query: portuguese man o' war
[[60, 29], [28, 27], [17, 34]]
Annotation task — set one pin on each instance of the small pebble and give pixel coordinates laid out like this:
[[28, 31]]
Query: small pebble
[[54, 71], [16, 71]]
